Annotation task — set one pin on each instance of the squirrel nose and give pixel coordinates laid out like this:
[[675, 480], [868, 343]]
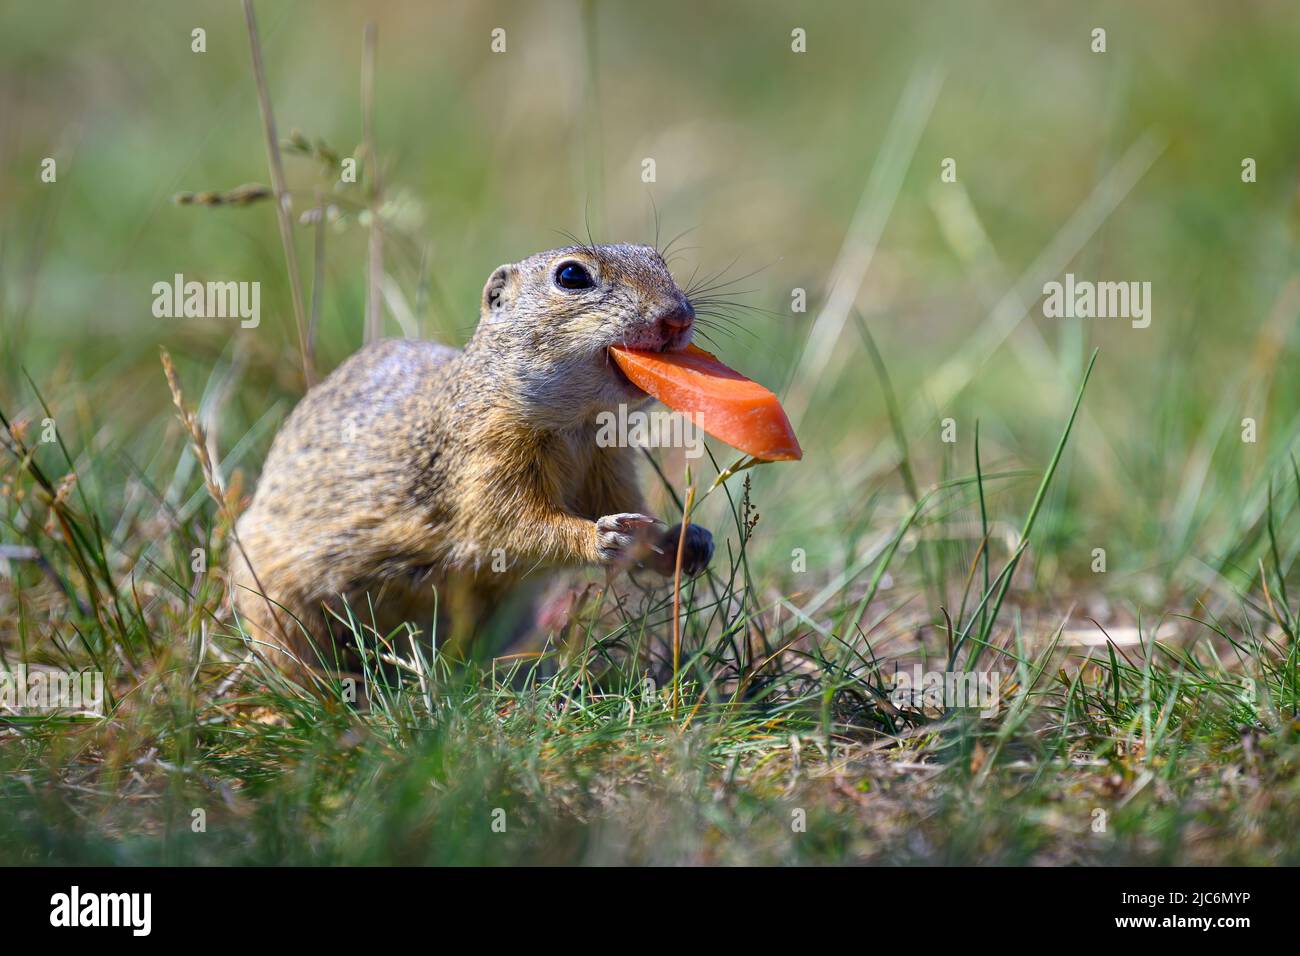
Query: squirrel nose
[[678, 319]]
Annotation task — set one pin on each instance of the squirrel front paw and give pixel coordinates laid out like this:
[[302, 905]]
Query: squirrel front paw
[[618, 537], [697, 551]]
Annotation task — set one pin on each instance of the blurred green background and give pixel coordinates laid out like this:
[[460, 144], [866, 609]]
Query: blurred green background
[[1123, 165]]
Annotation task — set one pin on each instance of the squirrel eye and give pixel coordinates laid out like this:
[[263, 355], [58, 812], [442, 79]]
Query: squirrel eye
[[571, 275]]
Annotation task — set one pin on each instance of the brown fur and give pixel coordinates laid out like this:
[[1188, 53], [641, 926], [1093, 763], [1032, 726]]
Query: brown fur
[[409, 466]]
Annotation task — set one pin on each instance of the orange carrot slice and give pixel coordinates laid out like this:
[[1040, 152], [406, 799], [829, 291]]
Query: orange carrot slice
[[727, 405]]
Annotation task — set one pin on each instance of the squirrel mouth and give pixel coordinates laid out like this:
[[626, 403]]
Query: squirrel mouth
[[620, 377]]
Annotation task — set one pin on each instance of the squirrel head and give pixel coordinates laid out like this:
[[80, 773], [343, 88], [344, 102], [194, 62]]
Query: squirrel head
[[546, 324]]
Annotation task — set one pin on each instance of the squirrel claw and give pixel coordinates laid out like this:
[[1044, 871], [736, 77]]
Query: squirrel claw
[[617, 536]]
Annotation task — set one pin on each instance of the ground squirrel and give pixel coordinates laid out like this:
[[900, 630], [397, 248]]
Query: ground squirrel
[[415, 465]]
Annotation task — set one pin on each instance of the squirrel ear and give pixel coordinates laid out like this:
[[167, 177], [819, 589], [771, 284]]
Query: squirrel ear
[[498, 292]]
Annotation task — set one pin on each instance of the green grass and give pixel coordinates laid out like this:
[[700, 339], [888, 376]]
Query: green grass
[[775, 738], [783, 746]]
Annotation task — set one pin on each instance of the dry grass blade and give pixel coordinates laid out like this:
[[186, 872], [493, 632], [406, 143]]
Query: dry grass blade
[[281, 191], [375, 244], [212, 480], [677, 594]]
